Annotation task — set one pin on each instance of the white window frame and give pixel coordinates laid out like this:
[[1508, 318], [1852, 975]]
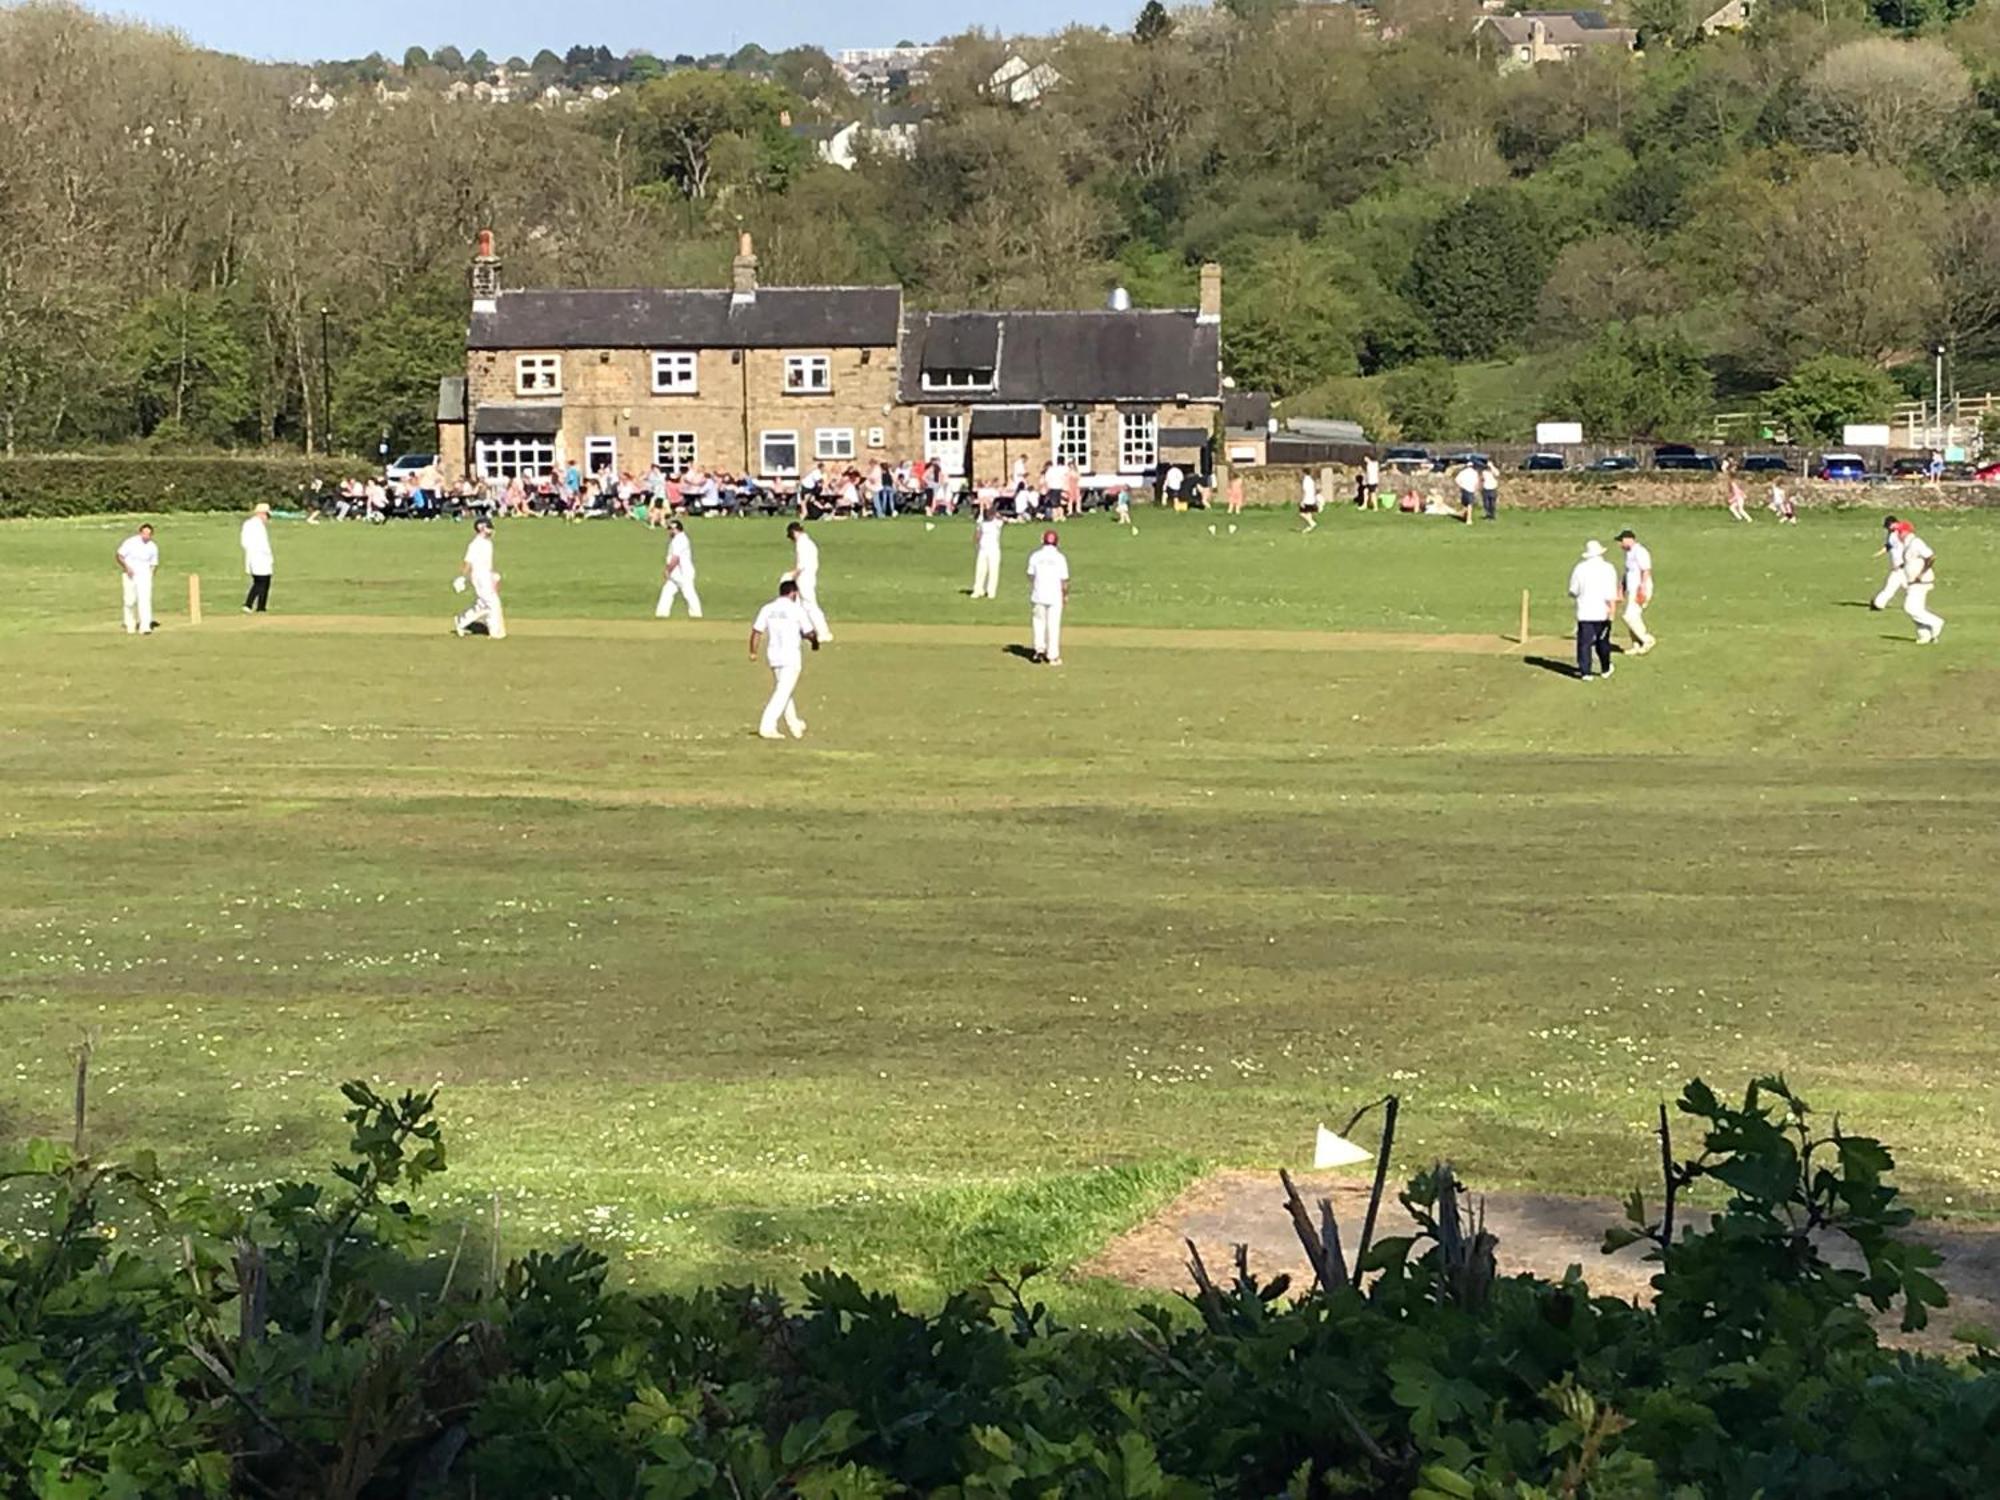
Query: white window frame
[[764, 465], [676, 372], [538, 374], [833, 444], [808, 375], [948, 452], [674, 453], [958, 380], [505, 457], [1069, 439], [1138, 441], [600, 452]]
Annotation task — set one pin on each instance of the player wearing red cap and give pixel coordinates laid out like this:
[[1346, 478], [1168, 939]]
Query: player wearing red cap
[[1919, 574], [1048, 592]]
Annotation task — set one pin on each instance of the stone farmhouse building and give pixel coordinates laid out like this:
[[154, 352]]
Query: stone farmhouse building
[[772, 381]]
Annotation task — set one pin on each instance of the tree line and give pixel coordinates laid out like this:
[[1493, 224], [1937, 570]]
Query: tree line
[[1810, 202]]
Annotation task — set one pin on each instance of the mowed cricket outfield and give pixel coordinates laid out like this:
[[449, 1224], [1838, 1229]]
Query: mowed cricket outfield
[[1000, 956]]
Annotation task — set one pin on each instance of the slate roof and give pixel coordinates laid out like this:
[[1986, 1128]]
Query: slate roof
[[1006, 421], [1563, 28], [1056, 357], [517, 421], [839, 317]]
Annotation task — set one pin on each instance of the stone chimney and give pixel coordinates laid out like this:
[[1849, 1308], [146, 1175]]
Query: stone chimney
[[1211, 294], [485, 274], [743, 279]]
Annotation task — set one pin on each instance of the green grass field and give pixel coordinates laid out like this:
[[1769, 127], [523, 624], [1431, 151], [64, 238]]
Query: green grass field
[[1000, 956]]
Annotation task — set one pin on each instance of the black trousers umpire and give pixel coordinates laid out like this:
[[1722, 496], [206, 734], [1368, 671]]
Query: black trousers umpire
[[1593, 635], [260, 593]]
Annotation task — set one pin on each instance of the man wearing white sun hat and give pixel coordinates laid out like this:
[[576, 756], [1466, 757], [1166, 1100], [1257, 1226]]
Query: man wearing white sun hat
[[1593, 584]]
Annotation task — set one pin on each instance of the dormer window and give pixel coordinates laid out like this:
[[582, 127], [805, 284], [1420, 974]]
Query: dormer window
[[958, 379]]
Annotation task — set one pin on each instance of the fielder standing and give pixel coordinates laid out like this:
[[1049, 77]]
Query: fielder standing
[[986, 555], [1048, 592], [805, 573], [1638, 591], [1309, 500], [1593, 584], [678, 577], [138, 560], [783, 627], [1892, 544], [255, 539], [477, 569], [1919, 573]]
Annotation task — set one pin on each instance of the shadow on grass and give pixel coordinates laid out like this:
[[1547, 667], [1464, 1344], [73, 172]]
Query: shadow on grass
[[1551, 664], [1025, 653]]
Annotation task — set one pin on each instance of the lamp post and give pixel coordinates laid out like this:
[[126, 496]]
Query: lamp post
[[325, 384], [1937, 392]]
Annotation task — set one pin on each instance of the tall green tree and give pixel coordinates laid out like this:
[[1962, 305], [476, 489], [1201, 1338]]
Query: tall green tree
[[1478, 274], [1823, 395], [676, 123], [187, 367], [1635, 382]]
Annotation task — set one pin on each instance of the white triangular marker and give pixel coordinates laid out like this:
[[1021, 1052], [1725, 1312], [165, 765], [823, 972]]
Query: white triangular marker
[[1330, 1150]]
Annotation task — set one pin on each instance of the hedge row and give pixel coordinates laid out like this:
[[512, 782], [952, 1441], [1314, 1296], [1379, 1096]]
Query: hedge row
[[128, 483]]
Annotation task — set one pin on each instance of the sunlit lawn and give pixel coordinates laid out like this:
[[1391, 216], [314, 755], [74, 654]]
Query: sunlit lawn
[[996, 959]]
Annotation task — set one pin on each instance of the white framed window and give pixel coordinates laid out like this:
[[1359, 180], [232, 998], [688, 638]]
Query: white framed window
[[778, 454], [600, 453], [674, 374], [808, 374], [944, 442], [833, 443], [958, 380], [505, 457], [1138, 441], [1070, 440], [673, 452], [538, 374]]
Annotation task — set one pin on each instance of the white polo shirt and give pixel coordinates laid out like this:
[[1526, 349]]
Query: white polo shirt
[[783, 623], [1468, 480], [1593, 583], [1048, 571], [138, 554], [989, 533], [1638, 563], [1894, 547], [479, 558], [805, 556], [680, 552], [1917, 559]]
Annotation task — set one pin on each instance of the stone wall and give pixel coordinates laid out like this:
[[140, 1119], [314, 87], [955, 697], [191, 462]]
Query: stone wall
[[1279, 485]]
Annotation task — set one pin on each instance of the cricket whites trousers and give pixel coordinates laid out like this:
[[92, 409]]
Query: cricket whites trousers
[[485, 608], [684, 587], [138, 600], [784, 683], [1635, 621], [1917, 605], [1048, 630], [809, 600], [986, 574], [1891, 587]]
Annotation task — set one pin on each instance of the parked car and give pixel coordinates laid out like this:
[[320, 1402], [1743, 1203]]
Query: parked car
[[409, 466], [1614, 463], [1406, 460], [1960, 473], [1987, 473], [1765, 463], [1680, 457], [1544, 463], [1845, 467], [1910, 468], [1453, 461]]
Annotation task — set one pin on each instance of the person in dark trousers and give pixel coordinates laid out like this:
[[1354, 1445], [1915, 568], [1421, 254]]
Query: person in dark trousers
[[255, 538], [1489, 487], [1593, 584]]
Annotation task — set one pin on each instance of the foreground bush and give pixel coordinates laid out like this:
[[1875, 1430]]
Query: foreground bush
[[145, 483], [295, 1348]]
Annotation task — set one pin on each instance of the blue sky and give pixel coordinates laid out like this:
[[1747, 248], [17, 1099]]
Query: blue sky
[[354, 28]]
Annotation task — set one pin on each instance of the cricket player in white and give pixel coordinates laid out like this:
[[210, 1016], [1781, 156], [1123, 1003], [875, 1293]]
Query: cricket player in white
[[1638, 591], [986, 557], [783, 626], [678, 578], [805, 573], [1048, 592], [255, 539], [1309, 501], [1919, 574], [477, 569], [1892, 543], [1593, 584], [138, 560]]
